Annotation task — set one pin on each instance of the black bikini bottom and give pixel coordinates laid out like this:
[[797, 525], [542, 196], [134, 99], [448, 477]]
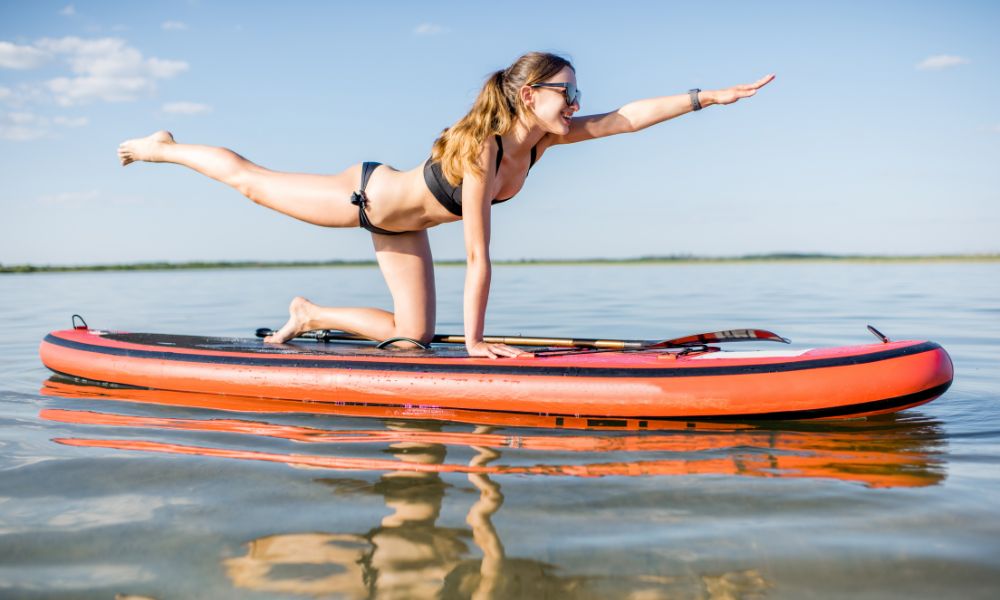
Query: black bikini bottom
[[361, 200]]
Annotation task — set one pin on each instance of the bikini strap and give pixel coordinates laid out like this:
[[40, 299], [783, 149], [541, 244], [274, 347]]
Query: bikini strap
[[534, 151], [366, 171], [499, 151]]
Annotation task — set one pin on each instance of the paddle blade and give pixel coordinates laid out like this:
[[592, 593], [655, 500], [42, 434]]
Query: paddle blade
[[718, 337]]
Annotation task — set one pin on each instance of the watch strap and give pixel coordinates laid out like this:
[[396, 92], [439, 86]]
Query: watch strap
[[695, 104]]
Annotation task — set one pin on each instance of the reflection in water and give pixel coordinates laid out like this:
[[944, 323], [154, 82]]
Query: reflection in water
[[302, 563], [408, 555], [891, 451], [895, 454]]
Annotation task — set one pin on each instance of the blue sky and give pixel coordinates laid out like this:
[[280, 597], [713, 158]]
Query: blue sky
[[881, 133]]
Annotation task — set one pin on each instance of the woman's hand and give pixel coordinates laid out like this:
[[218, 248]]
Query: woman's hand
[[487, 350], [737, 92]]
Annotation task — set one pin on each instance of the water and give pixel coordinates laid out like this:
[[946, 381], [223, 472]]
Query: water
[[283, 504]]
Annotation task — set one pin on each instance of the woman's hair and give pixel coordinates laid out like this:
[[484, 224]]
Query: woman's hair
[[494, 112]]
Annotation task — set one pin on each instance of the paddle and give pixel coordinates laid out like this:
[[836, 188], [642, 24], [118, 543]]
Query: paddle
[[715, 337]]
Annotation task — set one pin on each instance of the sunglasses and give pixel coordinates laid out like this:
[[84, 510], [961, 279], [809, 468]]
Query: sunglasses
[[571, 93]]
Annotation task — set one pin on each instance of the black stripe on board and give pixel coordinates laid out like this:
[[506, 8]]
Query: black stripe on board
[[837, 411], [885, 404]]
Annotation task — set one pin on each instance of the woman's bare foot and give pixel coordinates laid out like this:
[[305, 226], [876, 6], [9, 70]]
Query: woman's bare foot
[[145, 149], [299, 316]]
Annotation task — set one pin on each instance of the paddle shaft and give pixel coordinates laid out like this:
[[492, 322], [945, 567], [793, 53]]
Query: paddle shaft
[[551, 342], [513, 340], [730, 335]]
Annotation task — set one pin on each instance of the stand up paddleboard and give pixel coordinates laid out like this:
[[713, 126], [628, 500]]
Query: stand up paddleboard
[[687, 378]]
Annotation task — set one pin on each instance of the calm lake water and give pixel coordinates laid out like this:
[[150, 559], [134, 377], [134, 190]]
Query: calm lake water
[[303, 505]]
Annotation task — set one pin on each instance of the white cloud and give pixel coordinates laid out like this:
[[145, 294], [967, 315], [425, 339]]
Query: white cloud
[[165, 69], [70, 197], [14, 133], [174, 26], [69, 11], [22, 95], [71, 121], [429, 29], [22, 127], [99, 69], [106, 69], [186, 108], [941, 61], [13, 56], [22, 118], [77, 90], [26, 126]]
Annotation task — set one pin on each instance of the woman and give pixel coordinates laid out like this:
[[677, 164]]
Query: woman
[[481, 160]]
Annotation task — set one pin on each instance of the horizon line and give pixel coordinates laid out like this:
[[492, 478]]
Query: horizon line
[[650, 259]]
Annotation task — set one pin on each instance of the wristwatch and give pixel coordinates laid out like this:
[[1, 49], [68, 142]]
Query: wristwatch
[[695, 104]]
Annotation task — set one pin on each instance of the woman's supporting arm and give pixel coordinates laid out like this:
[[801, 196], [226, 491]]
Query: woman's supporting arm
[[476, 203]]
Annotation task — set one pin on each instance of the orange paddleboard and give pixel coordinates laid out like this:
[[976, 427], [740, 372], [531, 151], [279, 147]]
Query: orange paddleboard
[[705, 384]]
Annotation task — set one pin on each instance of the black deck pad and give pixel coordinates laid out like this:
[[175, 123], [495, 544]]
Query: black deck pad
[[294, 347]]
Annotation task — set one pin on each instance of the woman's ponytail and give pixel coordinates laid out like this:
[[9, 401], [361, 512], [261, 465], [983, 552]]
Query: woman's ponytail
[[493, 113]]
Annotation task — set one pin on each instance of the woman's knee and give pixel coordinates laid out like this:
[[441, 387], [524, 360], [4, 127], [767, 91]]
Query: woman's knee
[[416, 321], [248, 180], [422, 335]]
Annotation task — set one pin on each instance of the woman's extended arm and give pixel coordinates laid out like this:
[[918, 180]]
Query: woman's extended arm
[[476, 202], [640, 114]]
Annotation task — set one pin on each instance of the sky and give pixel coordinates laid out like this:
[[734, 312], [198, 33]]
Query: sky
[[880, 134]]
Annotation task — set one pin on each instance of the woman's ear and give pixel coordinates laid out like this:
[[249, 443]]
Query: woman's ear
[[527, 96]]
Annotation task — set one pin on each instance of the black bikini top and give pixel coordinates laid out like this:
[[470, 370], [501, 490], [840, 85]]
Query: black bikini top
[[450, 196]]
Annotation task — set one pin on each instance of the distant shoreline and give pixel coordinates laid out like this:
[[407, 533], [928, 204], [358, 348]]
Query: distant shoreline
[[644, 260]]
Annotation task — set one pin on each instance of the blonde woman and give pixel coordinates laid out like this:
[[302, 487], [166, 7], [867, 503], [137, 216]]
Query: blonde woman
[[483, 159]]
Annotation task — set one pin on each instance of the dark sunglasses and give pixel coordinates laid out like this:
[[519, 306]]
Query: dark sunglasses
[[571, 93]]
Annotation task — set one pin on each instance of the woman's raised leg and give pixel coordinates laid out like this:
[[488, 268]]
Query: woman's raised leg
[[317, 199], [408, 269]]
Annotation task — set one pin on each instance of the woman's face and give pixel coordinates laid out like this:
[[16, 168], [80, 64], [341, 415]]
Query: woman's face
[[549, 103]]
